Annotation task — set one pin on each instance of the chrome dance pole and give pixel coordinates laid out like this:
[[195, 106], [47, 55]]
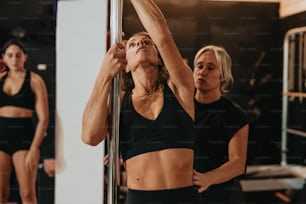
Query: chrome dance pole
[[113, 141]]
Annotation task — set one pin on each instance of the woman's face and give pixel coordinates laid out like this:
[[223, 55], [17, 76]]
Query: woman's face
[[14, 57], [207, 73], [140, 50]]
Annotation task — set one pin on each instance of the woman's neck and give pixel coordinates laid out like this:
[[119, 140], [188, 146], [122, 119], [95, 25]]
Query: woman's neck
[[146, 81], [147, 89], [17, 70], [207, 97]]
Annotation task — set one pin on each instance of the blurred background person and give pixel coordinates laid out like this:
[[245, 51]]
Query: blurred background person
[[21, 93]]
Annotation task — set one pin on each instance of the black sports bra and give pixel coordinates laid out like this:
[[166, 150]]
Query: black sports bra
[[173, 128], [24, 98]]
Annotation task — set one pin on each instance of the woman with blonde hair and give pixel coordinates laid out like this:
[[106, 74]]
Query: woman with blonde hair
[[221, 127]]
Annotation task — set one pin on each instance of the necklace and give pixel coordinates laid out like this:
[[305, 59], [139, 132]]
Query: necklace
[[149, 92]]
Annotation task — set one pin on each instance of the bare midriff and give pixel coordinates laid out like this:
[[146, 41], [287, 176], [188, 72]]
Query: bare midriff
[[15, 112], [165, 169]]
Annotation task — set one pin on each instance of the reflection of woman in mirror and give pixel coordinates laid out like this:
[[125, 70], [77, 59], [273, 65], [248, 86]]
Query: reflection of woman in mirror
[[21, 93]]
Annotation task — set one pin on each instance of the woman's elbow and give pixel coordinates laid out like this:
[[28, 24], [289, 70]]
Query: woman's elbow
[[91, 139], [43, 121], [88, 141], [241, 168], [241, 171]]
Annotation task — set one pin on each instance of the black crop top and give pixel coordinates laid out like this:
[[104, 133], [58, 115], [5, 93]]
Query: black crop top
[[24, 98], [173, 128]]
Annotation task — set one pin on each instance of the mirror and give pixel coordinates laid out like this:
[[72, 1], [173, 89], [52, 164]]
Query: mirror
[[33, 23]]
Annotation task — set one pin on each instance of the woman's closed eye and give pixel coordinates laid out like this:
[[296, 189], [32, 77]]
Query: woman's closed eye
[[148, 42], [200, 65], [208, 67], [10, 55], [145, 41], [131, 44]]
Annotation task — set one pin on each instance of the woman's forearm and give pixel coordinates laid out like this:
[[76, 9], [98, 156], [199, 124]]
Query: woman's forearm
[[95, 116], [40, 131], [226, 172], [152, 19]]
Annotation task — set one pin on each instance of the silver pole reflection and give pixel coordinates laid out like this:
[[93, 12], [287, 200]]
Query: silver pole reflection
[[113, 141]]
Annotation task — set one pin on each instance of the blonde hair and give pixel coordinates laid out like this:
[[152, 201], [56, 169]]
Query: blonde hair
[[224, 62]]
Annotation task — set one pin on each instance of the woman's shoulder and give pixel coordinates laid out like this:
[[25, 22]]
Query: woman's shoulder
[[234, 108], [35, 76], [231, 103], [36, 81]]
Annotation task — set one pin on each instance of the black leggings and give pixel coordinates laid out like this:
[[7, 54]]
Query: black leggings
[[186, 195], [15, 134]]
